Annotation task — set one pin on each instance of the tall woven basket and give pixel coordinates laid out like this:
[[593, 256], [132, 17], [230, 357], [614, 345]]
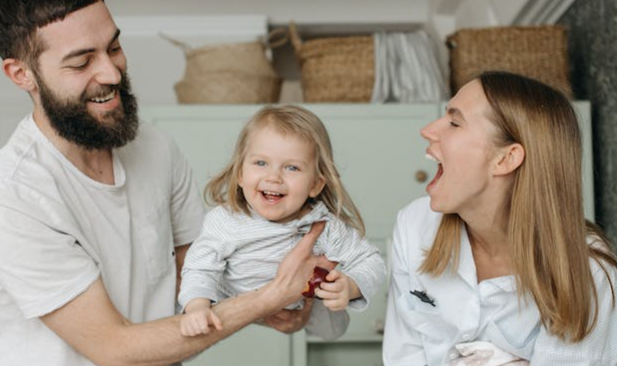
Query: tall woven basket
[[335, 69], [539, 52]]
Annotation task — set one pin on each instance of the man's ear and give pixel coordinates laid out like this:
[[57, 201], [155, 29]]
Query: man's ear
[[320, 182], [19, 73], [508, 159]]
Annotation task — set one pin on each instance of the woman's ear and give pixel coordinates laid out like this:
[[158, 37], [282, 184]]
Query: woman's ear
[[508, 159], [320, 182], [19, 73]]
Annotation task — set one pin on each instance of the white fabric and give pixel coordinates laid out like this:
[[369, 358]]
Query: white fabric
[[407, 69], [417, 333], [60, 231], [237, 253], [485, 354]]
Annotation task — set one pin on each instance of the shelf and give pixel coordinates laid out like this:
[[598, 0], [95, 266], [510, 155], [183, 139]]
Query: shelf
[[349, 338]]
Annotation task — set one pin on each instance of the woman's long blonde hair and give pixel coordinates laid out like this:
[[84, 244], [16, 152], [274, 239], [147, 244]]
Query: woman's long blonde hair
[[547, 230], [296, 121]]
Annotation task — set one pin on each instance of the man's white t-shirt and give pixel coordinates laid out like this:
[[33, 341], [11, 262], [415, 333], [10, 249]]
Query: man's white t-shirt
[[61, 230]]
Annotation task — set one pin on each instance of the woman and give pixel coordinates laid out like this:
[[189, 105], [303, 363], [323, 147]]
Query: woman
[[501, 254]]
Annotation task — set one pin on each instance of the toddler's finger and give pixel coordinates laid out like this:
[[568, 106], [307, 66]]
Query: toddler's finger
[[331, 286], [325, 294], [333, 275], [200, 325], [334, 305], [218, 324]]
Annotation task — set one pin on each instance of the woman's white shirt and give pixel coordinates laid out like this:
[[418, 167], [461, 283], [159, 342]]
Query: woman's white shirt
[[423, 330]]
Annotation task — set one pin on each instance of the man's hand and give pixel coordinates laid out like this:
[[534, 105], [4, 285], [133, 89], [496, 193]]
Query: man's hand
[[296, 269], [289, 321]]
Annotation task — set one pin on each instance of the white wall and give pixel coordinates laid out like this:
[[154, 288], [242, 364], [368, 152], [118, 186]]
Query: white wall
[[281, 11], [155, 65]]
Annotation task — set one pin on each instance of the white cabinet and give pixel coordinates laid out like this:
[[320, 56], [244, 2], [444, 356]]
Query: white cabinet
[[380, 155]]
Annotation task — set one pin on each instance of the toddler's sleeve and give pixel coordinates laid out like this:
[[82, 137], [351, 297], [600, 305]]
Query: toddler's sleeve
[[359, 259], [206, 259]]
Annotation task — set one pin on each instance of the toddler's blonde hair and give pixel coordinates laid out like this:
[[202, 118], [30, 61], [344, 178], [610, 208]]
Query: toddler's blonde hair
[[288, 120]]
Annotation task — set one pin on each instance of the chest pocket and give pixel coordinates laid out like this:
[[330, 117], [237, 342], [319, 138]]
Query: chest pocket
[[155, 238], [425, 315]]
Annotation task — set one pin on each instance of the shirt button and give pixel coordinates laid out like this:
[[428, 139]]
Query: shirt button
[[466, 337], [453, 355]]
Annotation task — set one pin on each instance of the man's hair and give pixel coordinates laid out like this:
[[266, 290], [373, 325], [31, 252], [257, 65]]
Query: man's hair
[[20, 20]]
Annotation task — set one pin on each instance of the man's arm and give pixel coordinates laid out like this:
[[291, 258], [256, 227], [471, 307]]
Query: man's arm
[[91, 324]]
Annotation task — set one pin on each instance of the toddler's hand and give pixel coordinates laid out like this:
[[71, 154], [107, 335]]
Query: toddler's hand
[[198, 319], [337, 293]]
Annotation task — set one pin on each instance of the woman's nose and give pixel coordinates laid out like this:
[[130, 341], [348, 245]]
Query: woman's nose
[[429, 132]]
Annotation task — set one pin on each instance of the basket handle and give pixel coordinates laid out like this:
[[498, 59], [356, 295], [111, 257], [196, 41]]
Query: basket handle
[[278, 37], [296, 41], [185, 47]]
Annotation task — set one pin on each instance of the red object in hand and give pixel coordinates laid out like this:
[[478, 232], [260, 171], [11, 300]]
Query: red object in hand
[[319, 276]]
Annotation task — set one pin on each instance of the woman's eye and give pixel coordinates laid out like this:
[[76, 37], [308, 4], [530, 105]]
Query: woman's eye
[[454, 124]]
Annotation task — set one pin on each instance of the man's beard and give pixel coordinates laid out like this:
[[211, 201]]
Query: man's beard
[[72, 121]]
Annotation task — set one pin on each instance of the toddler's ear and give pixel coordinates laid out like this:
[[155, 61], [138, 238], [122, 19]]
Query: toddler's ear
[[320, 182]]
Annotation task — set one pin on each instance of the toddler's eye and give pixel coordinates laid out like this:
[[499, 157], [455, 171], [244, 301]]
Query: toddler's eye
[[260, 163], [293, 168]]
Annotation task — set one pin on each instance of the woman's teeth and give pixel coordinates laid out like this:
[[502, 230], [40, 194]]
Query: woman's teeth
[[431, 157]]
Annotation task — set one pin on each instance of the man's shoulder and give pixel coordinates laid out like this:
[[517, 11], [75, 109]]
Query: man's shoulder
[[149, 136], [23, 158]]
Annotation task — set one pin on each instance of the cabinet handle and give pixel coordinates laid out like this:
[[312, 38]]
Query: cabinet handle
[[421, 176]]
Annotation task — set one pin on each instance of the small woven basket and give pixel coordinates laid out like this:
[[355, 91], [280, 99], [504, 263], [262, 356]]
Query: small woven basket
[[538, 52], [233, 73], [229, 87], [335, 69]]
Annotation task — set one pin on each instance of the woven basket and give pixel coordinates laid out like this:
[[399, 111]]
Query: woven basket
[[233, 73], [231, 87], [335, 69], [539, 52]]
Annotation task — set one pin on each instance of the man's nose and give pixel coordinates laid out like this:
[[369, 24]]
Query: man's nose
[[108, 72]]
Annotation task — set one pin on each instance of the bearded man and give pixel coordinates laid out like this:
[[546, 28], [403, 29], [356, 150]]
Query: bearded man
[[96, 210]]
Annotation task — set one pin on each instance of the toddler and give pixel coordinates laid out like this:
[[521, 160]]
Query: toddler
[[281, 180]]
